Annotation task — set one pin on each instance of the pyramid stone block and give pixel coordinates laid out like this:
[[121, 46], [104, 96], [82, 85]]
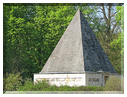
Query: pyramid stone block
[[78, 50]]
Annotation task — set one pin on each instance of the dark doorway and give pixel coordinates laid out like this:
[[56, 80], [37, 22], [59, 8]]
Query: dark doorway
[[105, 78]]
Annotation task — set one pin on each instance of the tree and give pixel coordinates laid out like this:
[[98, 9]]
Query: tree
[[109, 17], [120, 16], [18, 23], [110, 26], [117, 45], [6, 10]]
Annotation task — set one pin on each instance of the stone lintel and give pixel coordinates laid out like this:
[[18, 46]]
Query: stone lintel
[[75, 72]]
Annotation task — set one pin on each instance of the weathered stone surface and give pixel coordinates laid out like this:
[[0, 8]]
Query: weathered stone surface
[[62, 79], [78, 50]]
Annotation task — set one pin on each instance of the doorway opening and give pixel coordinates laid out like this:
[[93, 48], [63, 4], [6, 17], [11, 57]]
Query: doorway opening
[[105, 79]]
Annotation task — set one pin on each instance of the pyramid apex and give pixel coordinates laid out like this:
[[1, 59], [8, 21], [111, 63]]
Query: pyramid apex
[[79, 9]]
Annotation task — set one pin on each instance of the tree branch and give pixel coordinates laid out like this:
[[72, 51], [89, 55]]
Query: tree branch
[[114, 14], [103, 9], [114, 27], [109, 17], [100, 11]]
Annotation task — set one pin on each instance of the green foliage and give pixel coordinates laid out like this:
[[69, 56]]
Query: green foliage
[[27, 87], [39, 86], [45, 86], [89, 88], [118, 44], [12, 82], [117, 47], [113, 84], [120, 16], [66, 88], [53, 88]]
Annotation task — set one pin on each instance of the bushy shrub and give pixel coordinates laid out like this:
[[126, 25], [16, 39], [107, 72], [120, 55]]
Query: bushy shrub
[[28, 85], [12, 82], [4, 84], [113, 84], [53, 88], [89, 88], [45, 86], [39, 86], [66, 88]]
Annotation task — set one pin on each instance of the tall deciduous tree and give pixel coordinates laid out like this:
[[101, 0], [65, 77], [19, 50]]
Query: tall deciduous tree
[[109, 12], [117, 45]]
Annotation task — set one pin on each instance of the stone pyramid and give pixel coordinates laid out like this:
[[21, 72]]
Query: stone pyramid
[[78, 50]]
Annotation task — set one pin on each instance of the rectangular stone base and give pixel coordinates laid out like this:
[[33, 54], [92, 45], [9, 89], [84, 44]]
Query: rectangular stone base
[[73, 79], [62, 79]]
